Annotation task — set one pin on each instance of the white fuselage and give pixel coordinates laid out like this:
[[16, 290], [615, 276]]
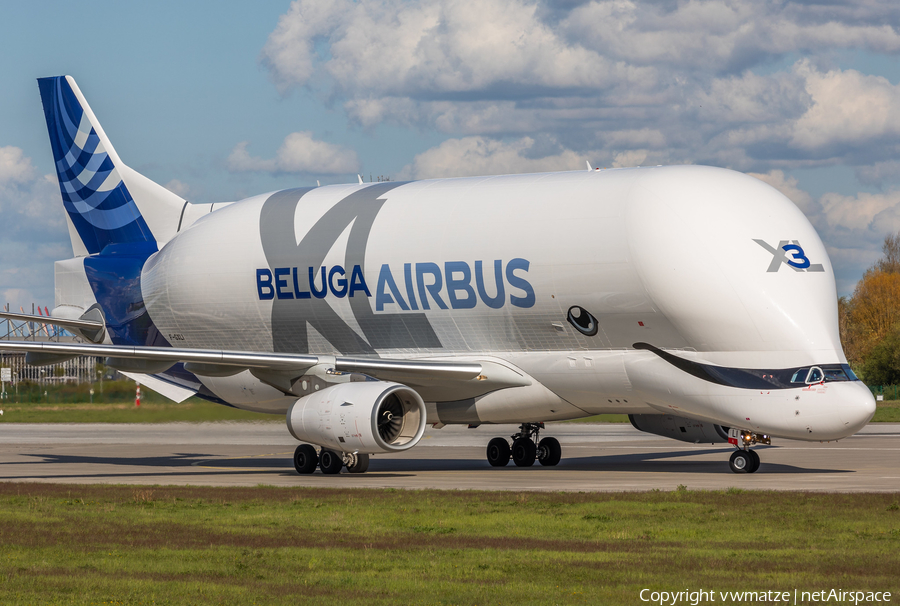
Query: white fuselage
[[488, 268]]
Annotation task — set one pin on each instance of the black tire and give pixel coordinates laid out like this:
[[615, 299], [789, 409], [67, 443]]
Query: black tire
[[754, 460], [498, 452], [551, 451], [740, 462], [330, 462], [524, 452], [305, 459], [361, 465]]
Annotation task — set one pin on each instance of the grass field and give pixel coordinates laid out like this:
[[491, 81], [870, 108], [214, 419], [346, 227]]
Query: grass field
[[888, 412], [64, 544]]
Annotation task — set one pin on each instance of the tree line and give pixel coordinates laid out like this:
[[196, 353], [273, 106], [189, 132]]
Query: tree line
[[870, 319]]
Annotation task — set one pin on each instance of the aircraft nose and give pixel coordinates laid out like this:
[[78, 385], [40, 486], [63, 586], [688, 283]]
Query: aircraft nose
[[856, 406]]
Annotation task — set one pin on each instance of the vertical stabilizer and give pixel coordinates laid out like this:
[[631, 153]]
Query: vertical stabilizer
[[107, 202]]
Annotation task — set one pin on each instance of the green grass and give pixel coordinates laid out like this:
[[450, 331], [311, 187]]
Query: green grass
[[64, 544], [611, 418], [887, 412]]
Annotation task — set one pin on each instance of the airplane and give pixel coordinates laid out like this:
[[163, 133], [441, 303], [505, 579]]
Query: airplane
[[697, 300]]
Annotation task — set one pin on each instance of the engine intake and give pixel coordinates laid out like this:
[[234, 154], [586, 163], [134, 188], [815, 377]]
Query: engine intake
[[366, 417], [680, 428]]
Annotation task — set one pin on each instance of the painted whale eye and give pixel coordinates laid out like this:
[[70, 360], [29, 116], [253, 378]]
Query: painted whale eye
[[582, 320]]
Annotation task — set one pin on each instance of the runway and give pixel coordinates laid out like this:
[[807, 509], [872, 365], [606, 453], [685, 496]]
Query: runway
[[596, 457]]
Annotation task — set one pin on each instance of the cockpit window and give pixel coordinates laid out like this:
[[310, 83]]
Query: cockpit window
[[850, 374], [815, 375], [835, 374], [800, 375]]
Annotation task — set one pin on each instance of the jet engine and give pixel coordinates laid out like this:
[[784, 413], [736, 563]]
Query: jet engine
[[680, 428], [366, 417]]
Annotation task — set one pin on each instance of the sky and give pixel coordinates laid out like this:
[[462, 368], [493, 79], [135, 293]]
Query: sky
[[222, 100]]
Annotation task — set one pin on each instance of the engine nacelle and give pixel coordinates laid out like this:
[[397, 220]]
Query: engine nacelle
[[680, 428], [366, 417]]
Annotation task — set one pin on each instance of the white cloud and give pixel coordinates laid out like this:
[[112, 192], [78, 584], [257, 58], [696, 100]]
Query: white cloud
[[723, 35], [696, 75], [15, 168], [472, 156], [299, 153], [179, 188], [34, 231], [455, 46], [627, 159], [847, 107]]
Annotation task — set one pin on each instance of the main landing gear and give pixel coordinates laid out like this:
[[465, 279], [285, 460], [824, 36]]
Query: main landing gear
[[744, 460], [524, 451], [306, 460]]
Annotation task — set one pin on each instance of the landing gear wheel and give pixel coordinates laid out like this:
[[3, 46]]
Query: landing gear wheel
[[330, 461], [754, 459], [305, 459], [524, 452], [741, 461], [549, 452], [360, 464], [498, 452]]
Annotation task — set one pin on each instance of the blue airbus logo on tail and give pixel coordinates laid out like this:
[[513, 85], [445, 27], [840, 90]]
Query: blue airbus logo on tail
[[98, 203]]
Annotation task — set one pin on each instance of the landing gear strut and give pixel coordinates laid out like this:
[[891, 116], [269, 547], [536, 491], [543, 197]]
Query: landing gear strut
[[525, 448], [744, 460], [330, 462]]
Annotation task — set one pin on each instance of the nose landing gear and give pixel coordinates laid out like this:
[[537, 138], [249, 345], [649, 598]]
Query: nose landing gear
[[525, 448], [745, 460]]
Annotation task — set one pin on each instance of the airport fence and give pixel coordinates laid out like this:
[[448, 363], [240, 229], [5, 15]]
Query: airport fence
[[120, 391], [888, 392]]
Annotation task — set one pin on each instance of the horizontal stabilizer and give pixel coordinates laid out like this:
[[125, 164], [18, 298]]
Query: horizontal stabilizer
[[61, 322], [92, 330]]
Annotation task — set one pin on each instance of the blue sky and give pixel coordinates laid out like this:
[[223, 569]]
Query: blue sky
[[221, 100]]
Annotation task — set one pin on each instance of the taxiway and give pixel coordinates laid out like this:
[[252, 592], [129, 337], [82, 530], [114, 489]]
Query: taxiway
[[596, 457]]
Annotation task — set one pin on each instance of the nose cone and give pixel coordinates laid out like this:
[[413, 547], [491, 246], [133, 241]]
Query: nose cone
[[856, 405]]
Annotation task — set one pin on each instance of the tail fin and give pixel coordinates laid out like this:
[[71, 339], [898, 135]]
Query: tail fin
[[107, 202]]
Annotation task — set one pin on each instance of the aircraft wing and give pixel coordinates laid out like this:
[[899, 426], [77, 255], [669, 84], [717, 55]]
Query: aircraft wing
[[241, 359], [436, 380]]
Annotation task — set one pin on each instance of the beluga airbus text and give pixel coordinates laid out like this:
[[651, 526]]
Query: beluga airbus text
[[697, 300]]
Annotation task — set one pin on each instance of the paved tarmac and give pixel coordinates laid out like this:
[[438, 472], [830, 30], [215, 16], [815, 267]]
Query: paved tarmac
[[596, 457]]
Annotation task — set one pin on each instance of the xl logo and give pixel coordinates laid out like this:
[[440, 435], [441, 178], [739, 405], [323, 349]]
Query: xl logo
[[790, 253]]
